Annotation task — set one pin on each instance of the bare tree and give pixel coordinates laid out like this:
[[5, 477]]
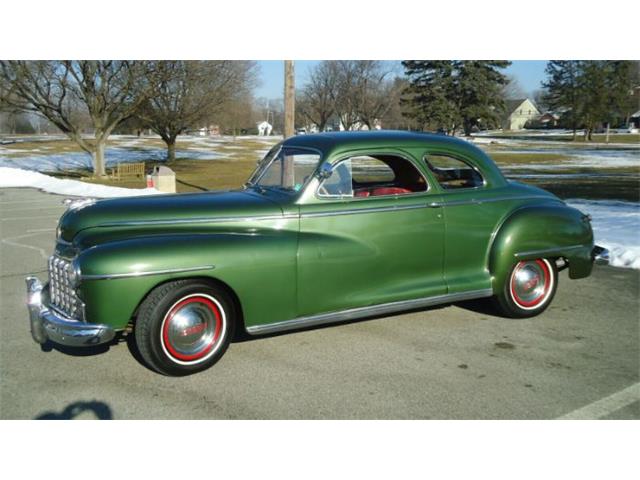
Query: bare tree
[[316, 102], [376, 92], [363, 93], [191, 92], [512, 90], [67, 93]]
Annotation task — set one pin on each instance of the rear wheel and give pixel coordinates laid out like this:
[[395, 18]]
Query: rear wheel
[[184, 327], [528, 289]]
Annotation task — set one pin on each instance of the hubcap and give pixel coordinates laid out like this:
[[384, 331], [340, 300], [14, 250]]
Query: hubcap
[[530, 283], [192, 328]]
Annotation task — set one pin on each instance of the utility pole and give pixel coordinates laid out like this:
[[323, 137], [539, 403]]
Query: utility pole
[[289, 99]]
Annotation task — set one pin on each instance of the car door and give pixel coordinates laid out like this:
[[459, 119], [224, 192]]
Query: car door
[[471, 213], [358, 249]]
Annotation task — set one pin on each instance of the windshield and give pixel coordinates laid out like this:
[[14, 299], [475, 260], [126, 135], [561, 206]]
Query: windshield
[[285, 168]]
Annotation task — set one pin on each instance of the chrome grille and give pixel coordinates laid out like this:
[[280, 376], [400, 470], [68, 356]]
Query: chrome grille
[[62, 295]]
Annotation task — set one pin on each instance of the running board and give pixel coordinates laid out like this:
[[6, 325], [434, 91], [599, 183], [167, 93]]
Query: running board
[[363, 312]]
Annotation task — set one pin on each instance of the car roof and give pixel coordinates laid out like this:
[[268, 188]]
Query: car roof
[[330, 143], [327, 141]]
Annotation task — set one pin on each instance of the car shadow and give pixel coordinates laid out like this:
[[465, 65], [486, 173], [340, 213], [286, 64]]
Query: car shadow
[[89, 351], [100, 410], [483, 306]]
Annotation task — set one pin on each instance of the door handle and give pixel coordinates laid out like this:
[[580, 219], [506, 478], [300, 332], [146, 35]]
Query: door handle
[[434, 205]]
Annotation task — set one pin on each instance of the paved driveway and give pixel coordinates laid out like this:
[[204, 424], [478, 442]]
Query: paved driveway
[[579, 359]]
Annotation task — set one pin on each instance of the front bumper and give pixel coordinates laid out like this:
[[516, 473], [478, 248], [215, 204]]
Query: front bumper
[[600, 255], [47, 324]]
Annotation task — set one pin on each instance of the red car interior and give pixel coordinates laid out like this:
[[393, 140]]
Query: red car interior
[[374, 192]]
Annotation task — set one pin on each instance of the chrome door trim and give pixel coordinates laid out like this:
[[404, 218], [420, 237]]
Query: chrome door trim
[[362, 312], [443, 203], [390, 208], [480, 201], [111, 276], [172, 221]]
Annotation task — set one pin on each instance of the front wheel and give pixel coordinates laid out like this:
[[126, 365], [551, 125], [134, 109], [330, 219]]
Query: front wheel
[[528, 289], [184, 327]]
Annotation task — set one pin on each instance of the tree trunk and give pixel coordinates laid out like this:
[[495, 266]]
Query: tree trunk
[[171, 150], [98, 159], [575, 133], [607, 137]]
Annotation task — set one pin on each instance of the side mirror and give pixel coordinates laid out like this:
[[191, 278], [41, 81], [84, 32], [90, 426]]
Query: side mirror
[[325, 171]]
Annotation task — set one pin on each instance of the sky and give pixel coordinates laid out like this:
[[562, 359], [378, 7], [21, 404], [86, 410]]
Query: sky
[[529, 74]]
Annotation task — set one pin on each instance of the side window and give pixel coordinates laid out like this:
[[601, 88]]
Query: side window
[[453, 173], [373, 176], [339, 184], [369, 170]]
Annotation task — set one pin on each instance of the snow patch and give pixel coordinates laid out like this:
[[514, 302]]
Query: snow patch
[[80, 160], [15, 177], [616, 226]]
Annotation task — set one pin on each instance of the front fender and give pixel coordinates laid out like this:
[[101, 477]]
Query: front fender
[[259, 268], [550, 230]]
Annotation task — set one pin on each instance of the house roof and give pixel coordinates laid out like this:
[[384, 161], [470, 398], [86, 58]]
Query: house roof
[[512, 105]]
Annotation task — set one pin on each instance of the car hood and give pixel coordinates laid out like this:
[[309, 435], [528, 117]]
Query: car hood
[[166, 210]]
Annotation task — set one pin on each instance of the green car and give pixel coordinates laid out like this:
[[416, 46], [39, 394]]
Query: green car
[[330, 227]]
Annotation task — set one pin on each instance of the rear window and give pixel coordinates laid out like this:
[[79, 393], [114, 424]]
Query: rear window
[[453, 173]]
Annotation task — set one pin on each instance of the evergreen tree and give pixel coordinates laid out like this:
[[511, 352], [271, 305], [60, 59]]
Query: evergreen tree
[[478, 87], [562, 91], [592, 92], [453, 94], [428, 97]]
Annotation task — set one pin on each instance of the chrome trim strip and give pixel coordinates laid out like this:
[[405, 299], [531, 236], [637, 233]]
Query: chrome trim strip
[[427, 205], [144, 274], [480, 201], [362, 312], [547, 250], [391, 208], [173, 221]]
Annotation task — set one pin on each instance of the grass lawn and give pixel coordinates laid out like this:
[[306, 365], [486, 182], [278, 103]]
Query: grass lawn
[[632, 138], [510, 158], [237, 159], [196, 175]]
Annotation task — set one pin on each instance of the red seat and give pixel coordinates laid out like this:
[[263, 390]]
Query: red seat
[[389, 191], [362, 193]]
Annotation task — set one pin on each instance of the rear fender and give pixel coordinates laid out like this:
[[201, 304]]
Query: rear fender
[[550, 230]]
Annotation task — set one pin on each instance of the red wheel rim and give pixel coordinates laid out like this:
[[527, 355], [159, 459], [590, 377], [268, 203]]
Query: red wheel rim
[[192, 328], [530, 283]]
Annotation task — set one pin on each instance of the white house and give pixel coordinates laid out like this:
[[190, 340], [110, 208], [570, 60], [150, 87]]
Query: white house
[[264, 128], [518, 113]]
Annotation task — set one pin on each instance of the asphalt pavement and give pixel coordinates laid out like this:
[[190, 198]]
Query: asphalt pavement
[[580, 359]]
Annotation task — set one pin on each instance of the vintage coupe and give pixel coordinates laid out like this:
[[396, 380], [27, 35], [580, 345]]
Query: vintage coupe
[[330, 227]]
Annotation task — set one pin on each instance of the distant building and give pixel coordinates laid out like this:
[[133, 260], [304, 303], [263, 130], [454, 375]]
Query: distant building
[[518, 113], [264, 128], [206, 131], [549, 120]]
